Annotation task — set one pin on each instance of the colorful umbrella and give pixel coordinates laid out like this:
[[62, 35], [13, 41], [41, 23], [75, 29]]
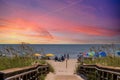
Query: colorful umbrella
[[91, 53], [118, 52], [37, 54], [85, 54], [49, 55], [102, 54]]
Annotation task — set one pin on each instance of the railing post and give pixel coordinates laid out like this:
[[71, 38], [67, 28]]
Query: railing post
[[1, 76], [112, 77], [118, 77], [107, 74]]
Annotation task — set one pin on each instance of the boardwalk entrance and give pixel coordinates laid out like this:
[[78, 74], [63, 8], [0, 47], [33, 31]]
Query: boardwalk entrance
[[63, 73]]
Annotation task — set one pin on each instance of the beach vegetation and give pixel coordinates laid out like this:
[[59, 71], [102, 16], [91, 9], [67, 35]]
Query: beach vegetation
[[51, 69], [42, 77], [17, 62], [105, 61]]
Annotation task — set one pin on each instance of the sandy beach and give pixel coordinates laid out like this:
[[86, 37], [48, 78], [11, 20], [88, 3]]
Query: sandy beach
[[63, 71]]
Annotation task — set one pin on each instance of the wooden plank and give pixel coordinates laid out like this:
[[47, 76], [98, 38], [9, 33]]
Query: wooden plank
[[26, 72]]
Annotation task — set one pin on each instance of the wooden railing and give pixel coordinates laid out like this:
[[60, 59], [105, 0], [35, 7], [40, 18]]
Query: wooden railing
[[26, 73], [95, 72]]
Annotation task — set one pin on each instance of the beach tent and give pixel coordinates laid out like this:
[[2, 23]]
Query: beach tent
[[102, 54]]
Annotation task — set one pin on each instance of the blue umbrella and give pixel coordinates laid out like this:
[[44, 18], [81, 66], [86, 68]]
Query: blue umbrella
[[102, 54], [118, 53]]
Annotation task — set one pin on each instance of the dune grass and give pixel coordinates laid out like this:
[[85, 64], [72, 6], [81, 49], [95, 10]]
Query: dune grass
[[105, 61], [51, 68], [15, 62], [42, 77]]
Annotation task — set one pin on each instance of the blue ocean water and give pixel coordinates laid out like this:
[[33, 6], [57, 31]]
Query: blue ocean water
[[59, 49]]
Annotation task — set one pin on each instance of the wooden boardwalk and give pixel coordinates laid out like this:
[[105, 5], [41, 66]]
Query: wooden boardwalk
[[66, 77], [63, 71]]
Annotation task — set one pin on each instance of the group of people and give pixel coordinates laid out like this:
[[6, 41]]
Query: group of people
[[61, 58]]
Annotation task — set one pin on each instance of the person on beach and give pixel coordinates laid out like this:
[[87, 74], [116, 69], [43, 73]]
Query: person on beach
[[56, 58], [67, 56], [62, 58], [80, 57], [59, 59]]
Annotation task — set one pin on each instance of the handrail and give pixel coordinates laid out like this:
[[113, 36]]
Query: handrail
[[25, 73], [100, 72]]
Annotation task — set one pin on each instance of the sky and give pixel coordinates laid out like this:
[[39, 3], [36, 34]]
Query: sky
[[59, 21]]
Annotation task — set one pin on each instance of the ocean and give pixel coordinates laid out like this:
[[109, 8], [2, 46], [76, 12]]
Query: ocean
[[60, 49]]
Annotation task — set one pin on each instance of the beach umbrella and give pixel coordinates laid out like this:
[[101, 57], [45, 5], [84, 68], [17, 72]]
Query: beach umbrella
[[91, 53], [118, 52], [37, 55], [49, 55], [85, 54], [102, 54]]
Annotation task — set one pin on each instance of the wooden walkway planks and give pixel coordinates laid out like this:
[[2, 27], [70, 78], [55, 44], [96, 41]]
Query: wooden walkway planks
[[66, 77]]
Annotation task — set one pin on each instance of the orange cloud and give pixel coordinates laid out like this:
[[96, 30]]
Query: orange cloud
[[20, 28]]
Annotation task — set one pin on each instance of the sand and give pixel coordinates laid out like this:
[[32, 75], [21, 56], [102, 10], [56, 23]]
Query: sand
[[63, 71]]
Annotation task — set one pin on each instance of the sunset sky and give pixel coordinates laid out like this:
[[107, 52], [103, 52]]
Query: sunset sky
[[59, 21]]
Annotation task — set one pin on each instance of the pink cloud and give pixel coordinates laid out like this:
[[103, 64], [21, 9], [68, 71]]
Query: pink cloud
[[95, 30], [89, 30], [23, 27]]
